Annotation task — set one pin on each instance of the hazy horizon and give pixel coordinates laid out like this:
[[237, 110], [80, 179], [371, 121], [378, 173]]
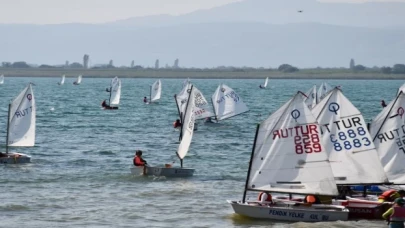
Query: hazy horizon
[[254, 33], [104, 11]]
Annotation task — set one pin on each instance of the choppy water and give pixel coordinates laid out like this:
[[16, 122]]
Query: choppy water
[[79, 175]]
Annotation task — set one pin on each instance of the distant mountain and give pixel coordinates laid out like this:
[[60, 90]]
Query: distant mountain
[[205, 45], [371, 14]]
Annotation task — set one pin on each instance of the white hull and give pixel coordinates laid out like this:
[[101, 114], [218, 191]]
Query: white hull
[[161, 171], [283, 211], [15, 158]]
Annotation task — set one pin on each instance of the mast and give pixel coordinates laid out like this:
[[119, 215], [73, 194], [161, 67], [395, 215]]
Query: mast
[[8, 126], [177, 104], [181, 129], [250, 163]]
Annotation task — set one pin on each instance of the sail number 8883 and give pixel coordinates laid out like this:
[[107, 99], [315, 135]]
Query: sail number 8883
[[349, 140]]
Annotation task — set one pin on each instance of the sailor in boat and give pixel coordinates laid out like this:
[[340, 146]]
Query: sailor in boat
[[391, 195], [106, 106], [261, 87], [208, 120], [395, 216], [108, 89], [383, 104], [138, 160], [145, 100], [344, 191], [264, 198], [177, 123], [317, 199]]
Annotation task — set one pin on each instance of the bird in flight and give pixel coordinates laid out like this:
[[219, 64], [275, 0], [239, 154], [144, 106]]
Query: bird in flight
[[299, 11]]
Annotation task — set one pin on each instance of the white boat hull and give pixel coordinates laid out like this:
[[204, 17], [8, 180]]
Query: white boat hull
[[161, 171], [282, 211], [15, 158]]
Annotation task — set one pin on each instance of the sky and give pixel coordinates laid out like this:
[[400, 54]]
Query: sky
[[99, 11]]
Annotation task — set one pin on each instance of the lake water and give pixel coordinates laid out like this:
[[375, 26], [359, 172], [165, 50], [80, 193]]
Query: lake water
[[79, 175]]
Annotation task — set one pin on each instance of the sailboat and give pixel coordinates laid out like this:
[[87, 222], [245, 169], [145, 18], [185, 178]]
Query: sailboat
[[265, 83], [78, 80], [62, 81], [187, 134], [20, 126], [352, 153], [1, 79], [115, 94], [323, 90], [227, 103], [312, 97], [155, 91], [387, 133], [202, 108], [293, 162]]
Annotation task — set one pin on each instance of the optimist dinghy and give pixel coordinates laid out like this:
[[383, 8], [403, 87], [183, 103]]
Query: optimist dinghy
[[186, 136], [20, 126], [293, 162]]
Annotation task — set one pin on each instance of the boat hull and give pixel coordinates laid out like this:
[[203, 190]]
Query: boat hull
[[281, 211], [162, 171], [364, 209], [14, 158]]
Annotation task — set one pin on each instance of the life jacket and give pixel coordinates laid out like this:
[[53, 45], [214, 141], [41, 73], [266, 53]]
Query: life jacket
[[138, 161], [398, 215], [312, 199], [176, 124], [269, 198], [387, 195]]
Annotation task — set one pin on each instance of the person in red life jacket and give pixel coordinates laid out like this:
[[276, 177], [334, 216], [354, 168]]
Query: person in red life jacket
[[265, 198], [104, 104], [145, 100], [177, 123], [312, 199], [383, 104], [391, 195], [138, 160], [395, 216]]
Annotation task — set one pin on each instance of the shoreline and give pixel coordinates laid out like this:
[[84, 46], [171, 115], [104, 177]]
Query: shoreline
[[196, 74]]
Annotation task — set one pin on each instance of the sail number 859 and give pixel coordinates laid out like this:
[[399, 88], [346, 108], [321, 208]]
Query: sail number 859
[[307, 143]]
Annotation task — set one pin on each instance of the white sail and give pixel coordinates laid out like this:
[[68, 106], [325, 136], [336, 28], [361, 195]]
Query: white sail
[[78, 80], [187, 126], [402, 88], [265, 82], [21, 130], [351, 150], [1, 79], [202, 108], [227, 103], [288, 155], [62, 81], [312, 97], [323, 90], [182, 98], [155, 91], [186, 82], [115, 92], [388, 133]]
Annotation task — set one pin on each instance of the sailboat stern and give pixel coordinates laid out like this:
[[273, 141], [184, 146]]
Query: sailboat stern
[[14, 158], [291, 212]]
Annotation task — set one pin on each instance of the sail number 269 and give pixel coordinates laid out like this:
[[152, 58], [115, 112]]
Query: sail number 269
[[307, 143]]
